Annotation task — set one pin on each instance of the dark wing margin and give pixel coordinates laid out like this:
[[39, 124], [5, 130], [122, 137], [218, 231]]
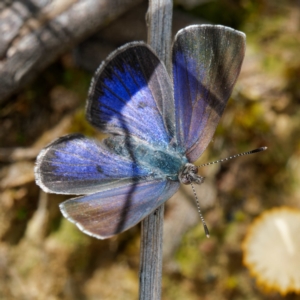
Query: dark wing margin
[[74, 164], [105, 214], [206, 63], [131, 94]]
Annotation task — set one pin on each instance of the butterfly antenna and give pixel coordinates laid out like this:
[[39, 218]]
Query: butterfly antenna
[[235, 156], [199, 211]]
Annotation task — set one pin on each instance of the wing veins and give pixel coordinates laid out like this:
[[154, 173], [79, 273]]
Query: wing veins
[[124, 119], [72, 154], [190, 97], [121, 81], [159, 112]]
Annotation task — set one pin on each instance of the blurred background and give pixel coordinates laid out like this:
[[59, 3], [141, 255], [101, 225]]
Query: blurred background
[[48, 53]]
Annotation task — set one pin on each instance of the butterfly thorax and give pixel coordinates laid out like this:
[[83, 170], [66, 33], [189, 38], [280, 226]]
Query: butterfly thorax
[[189, 174], [160, 160]]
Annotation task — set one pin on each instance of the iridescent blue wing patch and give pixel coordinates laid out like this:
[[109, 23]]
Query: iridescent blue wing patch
[[77, 165], [131, 95], [206, 63], [107, 213]]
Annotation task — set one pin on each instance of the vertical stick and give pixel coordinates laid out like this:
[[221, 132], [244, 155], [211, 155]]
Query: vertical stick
[[159, 21]]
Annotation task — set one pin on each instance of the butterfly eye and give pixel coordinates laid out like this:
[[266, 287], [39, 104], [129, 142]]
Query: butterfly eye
[[188, 174], [194, 169]]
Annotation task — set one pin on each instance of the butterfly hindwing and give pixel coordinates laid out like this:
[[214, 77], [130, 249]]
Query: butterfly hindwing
[[131, 95], [206, 63], [110, 212], [77, 165]]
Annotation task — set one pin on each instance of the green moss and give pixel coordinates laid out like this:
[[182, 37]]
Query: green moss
[[269, 37], [188, 256], [81, 125], [231, 282], [70, 235], [178, 291], [22, 214], [292, 75], [21, 138], [239, 216], [273, 64], [78, 81], [251, 117], [225, 12]]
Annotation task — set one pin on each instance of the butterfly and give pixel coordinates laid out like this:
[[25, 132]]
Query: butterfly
[[157, 126]]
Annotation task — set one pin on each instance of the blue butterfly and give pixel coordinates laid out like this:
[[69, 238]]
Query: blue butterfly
[[156, 129]]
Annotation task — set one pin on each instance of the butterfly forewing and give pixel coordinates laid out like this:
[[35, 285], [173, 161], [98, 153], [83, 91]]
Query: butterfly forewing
[[206, 63], [107, 213], [131, 95]]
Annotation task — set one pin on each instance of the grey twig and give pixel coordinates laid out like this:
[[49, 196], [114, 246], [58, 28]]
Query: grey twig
[[159, 21]]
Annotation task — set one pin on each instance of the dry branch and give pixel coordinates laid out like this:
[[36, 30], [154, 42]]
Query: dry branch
[[34, 33]]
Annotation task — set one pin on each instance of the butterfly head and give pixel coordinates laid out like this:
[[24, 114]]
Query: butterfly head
[[189, 174]]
